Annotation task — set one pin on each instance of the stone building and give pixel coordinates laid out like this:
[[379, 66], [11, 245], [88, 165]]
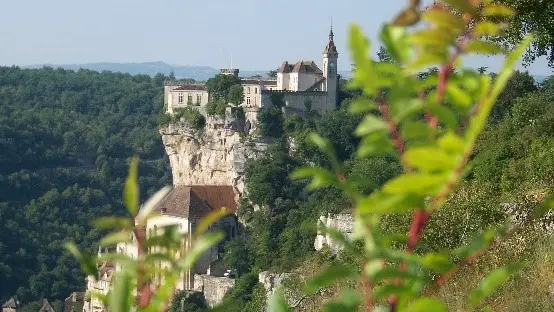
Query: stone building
[[46, 307], [184, 207], [10, 306], [74, 303], [101, 286], [302, 84]]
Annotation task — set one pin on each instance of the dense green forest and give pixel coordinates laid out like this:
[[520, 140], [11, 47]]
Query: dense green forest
[[65, 142]]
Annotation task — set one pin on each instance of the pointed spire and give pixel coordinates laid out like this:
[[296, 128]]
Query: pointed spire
[[331, 35]]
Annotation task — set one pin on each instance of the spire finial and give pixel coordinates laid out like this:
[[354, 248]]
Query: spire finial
[[331, 35]]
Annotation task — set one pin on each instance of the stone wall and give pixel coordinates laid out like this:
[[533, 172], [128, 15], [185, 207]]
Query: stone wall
[[214, 288], [217, 155], [296, 100], [343, 222]]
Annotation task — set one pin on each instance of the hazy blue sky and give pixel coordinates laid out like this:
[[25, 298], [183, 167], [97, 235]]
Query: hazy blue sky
[[259, 33]]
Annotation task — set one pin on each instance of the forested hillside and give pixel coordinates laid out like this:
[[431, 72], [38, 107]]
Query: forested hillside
[[65, 142], [513, 163]]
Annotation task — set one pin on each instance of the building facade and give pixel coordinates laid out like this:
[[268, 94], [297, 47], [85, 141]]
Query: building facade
[[303, 85]]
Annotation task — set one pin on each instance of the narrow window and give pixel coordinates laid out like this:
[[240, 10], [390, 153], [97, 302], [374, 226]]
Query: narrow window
[[180, 98], [248, 100], [248, 90], [256, 90], [198, 98], [189, 99]]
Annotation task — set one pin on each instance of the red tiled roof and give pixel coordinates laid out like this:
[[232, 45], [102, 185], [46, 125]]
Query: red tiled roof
[[197, 201]]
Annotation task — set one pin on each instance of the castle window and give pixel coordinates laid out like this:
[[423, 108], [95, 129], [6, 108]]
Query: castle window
[[256, 90], [248, 90], [198, 99], [180, 98], [189, 99], [316, 89], [248, 100]]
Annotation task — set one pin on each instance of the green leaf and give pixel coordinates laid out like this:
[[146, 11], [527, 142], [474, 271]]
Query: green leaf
[[416, 130], [482, 47], [461, 5], [149, 205], [380, 203], [479, 242], [487, 28], [415, 183], [120, 299], [348, 302], [393, 273], [452, 143], [488, 285], [426, 305], [385, 291], [131, 190], [498, 10], [429, 159], [444, 115], [211, 218], [114, 238], [370, 124], [432, 37], [375, 144], [200, 245], [458, 96], [393, 38], [437, 262], [328, 277], [408, 17], [443, 18], [88, 262], [364, 72], [113, 223], [277, 302], [361, 105], [406, 109], [320, 177], [326, 147], [424, 60]]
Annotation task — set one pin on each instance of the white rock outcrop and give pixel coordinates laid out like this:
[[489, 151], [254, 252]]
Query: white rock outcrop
[[342, 222], [215, 155], [214, 288]]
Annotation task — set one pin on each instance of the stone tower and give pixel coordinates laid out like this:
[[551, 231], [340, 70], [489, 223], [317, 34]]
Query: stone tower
[[330, 56]]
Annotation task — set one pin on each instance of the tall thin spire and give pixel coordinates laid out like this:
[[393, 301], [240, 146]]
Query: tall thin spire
[[331, 35]]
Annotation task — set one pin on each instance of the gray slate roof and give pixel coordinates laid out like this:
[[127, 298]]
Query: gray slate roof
[[197, 201]]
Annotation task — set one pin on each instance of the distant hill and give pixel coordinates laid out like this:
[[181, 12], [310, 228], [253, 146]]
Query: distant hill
[[199, 73]]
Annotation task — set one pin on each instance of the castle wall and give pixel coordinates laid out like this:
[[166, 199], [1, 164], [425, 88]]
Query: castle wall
[[306, 80], [296, 100], [213, 288]]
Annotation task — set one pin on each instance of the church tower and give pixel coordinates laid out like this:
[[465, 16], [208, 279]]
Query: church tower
[[330, 56]]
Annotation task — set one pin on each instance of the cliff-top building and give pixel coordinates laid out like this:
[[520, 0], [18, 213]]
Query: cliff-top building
[[302, 85]]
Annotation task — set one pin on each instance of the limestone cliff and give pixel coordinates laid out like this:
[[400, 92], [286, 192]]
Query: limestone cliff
[[215, 155]]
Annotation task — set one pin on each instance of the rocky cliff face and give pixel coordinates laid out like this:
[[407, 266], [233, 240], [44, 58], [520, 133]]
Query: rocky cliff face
[[216, 155], [342, 222]]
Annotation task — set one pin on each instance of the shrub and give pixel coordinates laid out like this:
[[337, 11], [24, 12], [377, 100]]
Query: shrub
[[193, 118], [216, 108], [270, 120]]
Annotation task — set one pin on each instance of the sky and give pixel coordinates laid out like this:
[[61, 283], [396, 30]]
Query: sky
[[247, 34]]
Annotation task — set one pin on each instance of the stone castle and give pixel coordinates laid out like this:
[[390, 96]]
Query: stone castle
[[302, 86]]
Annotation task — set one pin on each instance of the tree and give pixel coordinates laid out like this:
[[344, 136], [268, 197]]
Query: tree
[[272, 73], [220, 85], [518, 86], [236, 94], [237, 256], [532, 16], [185, 301]]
